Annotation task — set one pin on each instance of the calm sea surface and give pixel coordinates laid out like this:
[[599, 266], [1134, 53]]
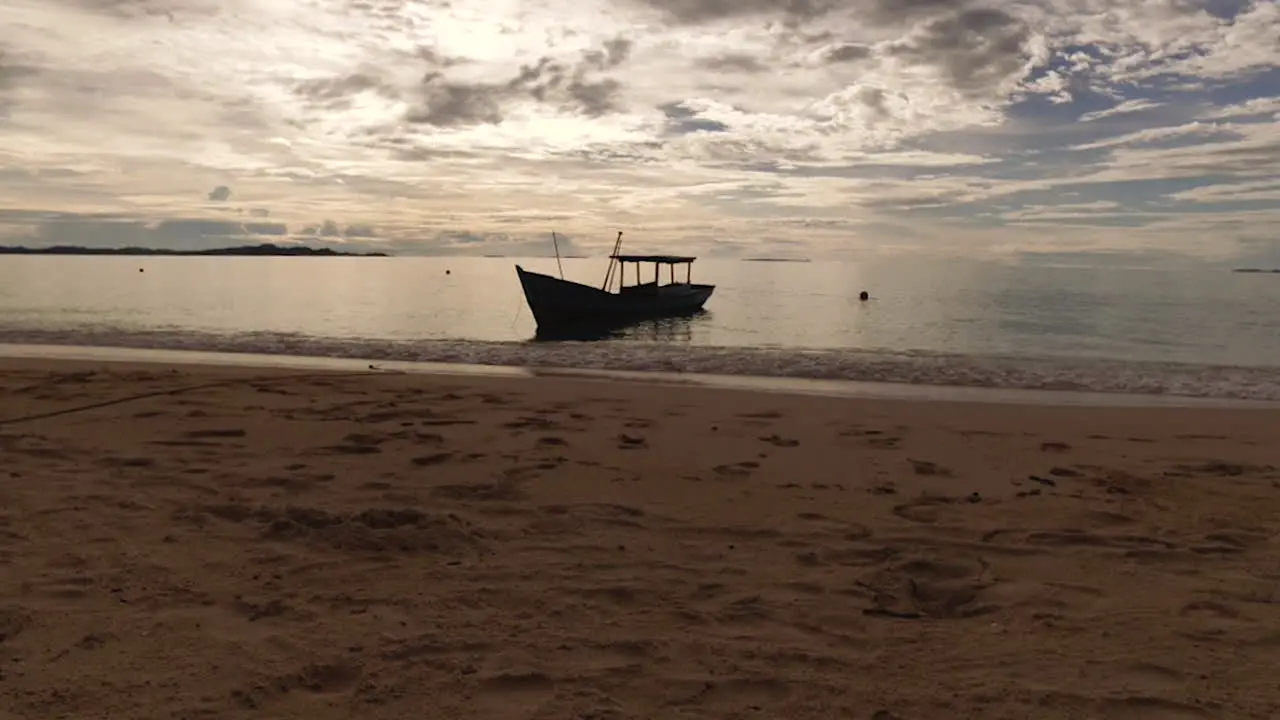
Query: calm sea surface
[[1203, 332]]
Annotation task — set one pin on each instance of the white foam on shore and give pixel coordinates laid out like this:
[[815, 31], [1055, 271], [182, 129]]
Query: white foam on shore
[[912, 376]]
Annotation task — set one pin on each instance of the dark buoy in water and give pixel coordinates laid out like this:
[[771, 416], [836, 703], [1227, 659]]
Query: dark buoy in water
[[141, 270], [863, 295], [446, 272]]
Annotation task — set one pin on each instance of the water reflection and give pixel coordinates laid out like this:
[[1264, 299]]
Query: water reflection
[[918, 303], [668, 330]]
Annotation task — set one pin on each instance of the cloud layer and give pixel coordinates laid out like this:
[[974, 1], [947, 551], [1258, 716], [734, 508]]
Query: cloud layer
[[801, 126]]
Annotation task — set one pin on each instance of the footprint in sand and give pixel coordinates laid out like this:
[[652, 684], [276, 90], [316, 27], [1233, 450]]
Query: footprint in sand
[[779, 441], [981, 433], [363, 439], [766, 415], [1209, 609], [884, 488], [1107, 519], [930, 587], [859, 432], [186, 443], [1222, 468], [530, 423], [329, 678], [356, 444], [1054, 447], [1142, 707], [1136, 545], [631, 442], [93, 641], [736, 471], [66, 587], [274, 607], [925, 508], [928, 467], [130, 462], [321, 679], [503, 490], [349, 449], [516, 689], [874, 438], [1236, 538], [1149, 674], [203, 438], [13, 620], [744, 693], [434, 459]]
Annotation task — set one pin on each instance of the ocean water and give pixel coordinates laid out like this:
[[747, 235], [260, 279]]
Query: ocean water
[[1207, 333]]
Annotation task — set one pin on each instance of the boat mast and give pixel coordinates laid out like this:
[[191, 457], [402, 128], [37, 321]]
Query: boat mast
[[608, 273], [556, 244]]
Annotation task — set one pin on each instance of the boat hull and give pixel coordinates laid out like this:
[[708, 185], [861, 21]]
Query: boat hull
[[562, 303]]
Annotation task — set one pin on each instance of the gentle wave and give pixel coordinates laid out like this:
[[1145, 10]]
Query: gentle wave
[[918, 368]]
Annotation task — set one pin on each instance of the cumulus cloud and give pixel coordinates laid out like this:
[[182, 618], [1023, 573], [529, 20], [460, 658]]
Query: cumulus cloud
[[464, 126]]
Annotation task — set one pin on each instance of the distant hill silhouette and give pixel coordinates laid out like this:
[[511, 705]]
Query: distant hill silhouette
[[264, 250]]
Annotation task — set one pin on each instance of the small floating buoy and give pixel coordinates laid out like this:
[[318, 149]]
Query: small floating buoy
[[446, 272], [141, 270], [863, 295]]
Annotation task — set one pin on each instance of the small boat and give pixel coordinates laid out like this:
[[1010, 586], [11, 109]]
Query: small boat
[[559, 303]]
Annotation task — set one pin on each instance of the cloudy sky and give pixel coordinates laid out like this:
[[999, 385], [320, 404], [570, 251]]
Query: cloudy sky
[[812, 127]]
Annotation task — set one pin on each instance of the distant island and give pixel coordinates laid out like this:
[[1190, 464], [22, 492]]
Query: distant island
[[1257, 270], [773, 259], [264, 250]]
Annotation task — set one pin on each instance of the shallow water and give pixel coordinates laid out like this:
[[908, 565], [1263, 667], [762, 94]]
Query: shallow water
[[1203, 333]]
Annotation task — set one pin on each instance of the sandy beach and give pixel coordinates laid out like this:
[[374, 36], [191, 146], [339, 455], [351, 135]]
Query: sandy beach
[[223, 542]]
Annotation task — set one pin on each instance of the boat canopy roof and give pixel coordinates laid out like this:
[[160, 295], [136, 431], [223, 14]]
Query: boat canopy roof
[[662, 259]]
